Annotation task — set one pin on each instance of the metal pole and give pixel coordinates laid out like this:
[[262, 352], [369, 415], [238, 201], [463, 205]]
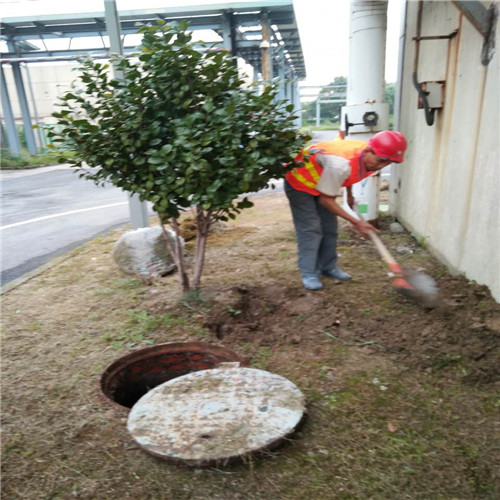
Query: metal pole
[[228, 32], [41, 142], [318, 112], [138, 210], [10, 124], [296, 102], [265, 48], [23, 104]]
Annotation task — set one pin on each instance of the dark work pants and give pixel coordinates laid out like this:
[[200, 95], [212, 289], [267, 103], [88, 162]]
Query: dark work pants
[[316, 229]]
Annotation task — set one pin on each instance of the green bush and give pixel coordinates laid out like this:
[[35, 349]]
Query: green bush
[[25, 160]]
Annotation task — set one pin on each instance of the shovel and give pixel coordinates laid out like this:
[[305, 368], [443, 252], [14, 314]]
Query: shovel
[[415, 285]]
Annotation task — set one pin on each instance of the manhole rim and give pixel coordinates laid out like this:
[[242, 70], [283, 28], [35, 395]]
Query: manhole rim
[[155, 350]]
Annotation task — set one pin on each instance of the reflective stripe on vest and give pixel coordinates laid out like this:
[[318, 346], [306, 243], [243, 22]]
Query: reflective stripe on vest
[[313, 169], [306, 177]]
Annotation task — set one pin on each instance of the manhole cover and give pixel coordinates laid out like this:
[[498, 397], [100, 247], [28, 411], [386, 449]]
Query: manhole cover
[[215, 415]]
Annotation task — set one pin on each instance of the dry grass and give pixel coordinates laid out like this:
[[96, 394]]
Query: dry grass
[[428, 435]]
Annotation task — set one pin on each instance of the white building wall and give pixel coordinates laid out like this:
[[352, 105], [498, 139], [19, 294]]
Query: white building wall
[[448, 189]]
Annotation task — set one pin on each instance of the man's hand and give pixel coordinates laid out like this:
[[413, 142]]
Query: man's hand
[[351, 201], [364, 228]]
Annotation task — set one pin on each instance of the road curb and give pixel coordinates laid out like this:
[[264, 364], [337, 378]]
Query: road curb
[[33, 274]]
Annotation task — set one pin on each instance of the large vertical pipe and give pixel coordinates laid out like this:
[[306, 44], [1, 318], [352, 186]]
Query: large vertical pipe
[[10, 124], [367, 51], [366, 84], [138, 210]]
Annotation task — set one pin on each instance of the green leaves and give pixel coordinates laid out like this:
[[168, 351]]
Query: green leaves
[[180, 129]]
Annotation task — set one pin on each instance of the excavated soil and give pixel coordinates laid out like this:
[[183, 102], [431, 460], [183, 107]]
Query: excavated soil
[[424, 339]]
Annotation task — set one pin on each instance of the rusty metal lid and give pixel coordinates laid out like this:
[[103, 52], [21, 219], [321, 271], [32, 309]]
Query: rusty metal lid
[[213, 415]]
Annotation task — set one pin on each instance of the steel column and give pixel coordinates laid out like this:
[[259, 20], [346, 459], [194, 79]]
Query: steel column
[[265, 48], [296, 102], [138, 210], [228, 32], [10, 124], [23, 104]]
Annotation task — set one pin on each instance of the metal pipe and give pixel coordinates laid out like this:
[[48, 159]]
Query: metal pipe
[[429, 113]]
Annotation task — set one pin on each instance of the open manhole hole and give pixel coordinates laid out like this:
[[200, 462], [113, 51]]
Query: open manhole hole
[[128, 378]]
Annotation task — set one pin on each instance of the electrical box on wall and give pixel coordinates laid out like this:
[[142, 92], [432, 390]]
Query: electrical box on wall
[[434, 92]]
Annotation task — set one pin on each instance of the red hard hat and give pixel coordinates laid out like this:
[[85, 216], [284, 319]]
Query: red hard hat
[[389, 144]]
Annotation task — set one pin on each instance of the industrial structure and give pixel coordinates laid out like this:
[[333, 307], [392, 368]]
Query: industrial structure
[[262, 33]]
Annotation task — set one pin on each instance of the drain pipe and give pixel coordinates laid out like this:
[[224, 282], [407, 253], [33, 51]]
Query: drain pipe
[[366, 113]]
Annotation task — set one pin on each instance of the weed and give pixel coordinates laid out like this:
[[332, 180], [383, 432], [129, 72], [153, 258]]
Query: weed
[[195, 295], [128, 283], [422, 241], [261, 360], [233, 312]]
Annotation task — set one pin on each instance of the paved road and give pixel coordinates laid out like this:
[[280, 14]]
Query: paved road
[[48, 211]]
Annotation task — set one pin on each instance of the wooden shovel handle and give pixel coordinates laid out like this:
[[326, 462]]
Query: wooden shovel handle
[[382, 249]]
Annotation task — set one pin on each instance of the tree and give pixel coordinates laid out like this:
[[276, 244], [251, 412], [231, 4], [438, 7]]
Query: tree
[[180, 130]]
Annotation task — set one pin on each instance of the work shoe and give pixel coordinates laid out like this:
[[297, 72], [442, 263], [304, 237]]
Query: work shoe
[[312, 283], [337, 274]]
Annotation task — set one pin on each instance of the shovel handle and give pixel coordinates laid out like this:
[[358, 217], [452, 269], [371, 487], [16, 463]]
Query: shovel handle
[[384, 252], [381, 248]]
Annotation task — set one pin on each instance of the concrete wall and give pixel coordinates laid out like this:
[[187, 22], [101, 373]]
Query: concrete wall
[[448, 189]]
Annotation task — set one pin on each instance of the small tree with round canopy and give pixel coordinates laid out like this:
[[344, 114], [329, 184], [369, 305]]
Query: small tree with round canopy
[[180, 129]]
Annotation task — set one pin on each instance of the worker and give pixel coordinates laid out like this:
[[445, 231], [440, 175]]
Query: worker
[[312, 187]]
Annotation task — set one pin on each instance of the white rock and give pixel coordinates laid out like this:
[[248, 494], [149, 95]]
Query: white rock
[[145, 252]]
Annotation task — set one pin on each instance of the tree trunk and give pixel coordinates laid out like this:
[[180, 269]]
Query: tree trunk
[[177, 253], [203, 221]]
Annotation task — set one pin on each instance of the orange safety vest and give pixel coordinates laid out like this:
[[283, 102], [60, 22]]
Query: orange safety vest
[[306, 177]]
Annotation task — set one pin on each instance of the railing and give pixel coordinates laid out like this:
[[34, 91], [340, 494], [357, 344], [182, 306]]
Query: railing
[[325, 94]]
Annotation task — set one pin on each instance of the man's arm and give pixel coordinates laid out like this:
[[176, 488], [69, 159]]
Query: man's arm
[[350, 197], [331, 204]]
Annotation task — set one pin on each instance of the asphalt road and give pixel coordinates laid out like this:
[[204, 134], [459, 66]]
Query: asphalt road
[[48, 211]]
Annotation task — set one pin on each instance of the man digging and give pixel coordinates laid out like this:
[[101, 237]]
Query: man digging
[[313, 186]]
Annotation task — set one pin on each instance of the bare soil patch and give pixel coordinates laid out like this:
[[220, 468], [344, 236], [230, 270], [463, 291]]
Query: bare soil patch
[[402, 401]]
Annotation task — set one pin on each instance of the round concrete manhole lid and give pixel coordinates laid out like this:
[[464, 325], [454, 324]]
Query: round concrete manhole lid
[[214, 415]]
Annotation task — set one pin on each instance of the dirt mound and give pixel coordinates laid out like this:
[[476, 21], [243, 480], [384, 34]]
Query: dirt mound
[[450, 336]]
